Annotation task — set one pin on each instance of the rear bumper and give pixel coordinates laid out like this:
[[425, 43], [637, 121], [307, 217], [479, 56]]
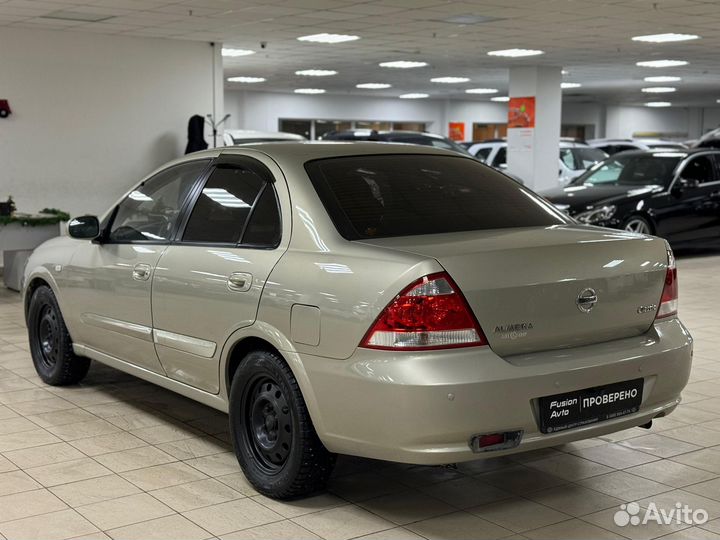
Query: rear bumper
[[425, 407]]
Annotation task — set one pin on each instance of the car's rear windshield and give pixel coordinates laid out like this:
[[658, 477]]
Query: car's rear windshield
[[376, 196]]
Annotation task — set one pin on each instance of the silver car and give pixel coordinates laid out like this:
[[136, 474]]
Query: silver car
[[391, 301]]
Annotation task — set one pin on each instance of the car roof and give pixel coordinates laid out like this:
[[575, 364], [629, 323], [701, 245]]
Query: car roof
[[252, 134]]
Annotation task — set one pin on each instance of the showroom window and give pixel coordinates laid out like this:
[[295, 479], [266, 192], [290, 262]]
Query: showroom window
[[224, 205], [150, 211]]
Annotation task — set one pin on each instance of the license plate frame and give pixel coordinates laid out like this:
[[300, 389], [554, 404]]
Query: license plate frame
[[569, 410]]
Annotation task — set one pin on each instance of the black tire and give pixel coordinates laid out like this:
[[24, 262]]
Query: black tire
[[50, 343], [273, 436], [638, 224]]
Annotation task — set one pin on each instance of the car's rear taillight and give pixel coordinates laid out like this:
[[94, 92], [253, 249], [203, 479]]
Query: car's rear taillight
[[669, 298], [429, 314]]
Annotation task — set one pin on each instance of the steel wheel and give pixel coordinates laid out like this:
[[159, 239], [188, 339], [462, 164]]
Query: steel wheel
[[48, 335], [637, 225], [268, 423]]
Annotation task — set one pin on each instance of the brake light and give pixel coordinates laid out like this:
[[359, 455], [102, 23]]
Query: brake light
[[669, 298], [429, 314]]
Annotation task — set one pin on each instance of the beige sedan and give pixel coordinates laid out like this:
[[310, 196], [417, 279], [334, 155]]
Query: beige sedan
[[381, 300]]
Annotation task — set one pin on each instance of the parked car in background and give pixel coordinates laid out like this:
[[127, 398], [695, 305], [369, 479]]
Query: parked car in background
[[408, 137], [232, 137], [402, 303], [574, 159], [671, 194], [613, 146], [710, 140]]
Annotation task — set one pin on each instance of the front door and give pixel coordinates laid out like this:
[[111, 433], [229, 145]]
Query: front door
[[110, 280], [208, 283]]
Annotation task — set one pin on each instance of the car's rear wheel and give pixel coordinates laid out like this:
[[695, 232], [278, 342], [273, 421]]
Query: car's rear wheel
[[274, 439], [638, 224], [50, 343]]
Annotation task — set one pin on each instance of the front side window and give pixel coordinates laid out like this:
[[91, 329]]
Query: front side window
[[379, 196], [233, 196], [150, 212], [633, 170], [700, 169]]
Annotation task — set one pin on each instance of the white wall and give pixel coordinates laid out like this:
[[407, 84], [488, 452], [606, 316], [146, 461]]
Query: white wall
[[262, 110], [624, 121], [92, 114]]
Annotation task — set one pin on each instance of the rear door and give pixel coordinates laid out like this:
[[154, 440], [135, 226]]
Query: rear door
[[208, 283]]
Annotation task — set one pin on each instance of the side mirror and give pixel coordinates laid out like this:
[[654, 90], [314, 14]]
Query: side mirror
[[84, 227]]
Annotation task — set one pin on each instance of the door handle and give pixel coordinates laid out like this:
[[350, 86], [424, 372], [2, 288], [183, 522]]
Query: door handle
[[141, 272], [239, 281]]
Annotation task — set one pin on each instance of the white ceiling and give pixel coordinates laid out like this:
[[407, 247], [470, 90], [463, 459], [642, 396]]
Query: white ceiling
[[589, 38]]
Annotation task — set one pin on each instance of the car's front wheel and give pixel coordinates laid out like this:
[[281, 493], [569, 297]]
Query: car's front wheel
[[50, 343], [273, 435], [638, 224]]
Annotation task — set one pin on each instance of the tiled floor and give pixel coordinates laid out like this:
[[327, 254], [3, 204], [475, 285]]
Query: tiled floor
[[117, 457]]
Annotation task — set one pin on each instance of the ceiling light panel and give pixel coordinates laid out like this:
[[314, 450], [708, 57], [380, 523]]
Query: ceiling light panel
[[249, 80], [665, 38], [516, 53], [662, 63], [481, 91], [413, 95], [658, 104], [662, 78], [79, 16], [501, 99], [309, 91], [328, 38], [232, 53], [403, 64], [449, 80], [316, 72], [567, 85], [659, 89], [373, 86]]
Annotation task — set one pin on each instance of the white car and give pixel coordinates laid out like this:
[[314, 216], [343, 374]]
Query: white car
[[613, 146], [231, 137], [574, 158]]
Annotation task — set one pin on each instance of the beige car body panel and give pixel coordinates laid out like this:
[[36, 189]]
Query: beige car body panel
[[316, 295]]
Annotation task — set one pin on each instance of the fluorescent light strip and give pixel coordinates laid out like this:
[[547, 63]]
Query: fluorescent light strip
[[249, 80], [402, 64], [662, 78], [661, 63], [328, 38], [413, 95], [658, 104], [309, 91], [316, 72], [373, 86], [570, 85], [449, 80], [481, 91], [231, 53], [659, 89], [516, 53], [665, 38], [501, 99]]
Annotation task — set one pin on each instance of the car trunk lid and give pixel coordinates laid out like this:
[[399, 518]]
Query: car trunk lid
[[531, 289]]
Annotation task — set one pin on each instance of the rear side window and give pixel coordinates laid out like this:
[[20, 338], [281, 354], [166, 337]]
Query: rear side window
[[263, 229], [224, 205], [402, 195]]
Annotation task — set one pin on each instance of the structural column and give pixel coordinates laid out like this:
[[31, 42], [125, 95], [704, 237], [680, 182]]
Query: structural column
[[534, 125]]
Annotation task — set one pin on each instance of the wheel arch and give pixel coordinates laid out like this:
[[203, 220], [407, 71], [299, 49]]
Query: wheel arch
[[37, 278], [262, 336]]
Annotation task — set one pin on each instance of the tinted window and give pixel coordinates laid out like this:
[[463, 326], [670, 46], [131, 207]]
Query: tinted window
[[640, 170], [263, 229], [483, 153], [501, 157], [150, 212], [701, 169], [400, 195], [579, 158], [224, 205]]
